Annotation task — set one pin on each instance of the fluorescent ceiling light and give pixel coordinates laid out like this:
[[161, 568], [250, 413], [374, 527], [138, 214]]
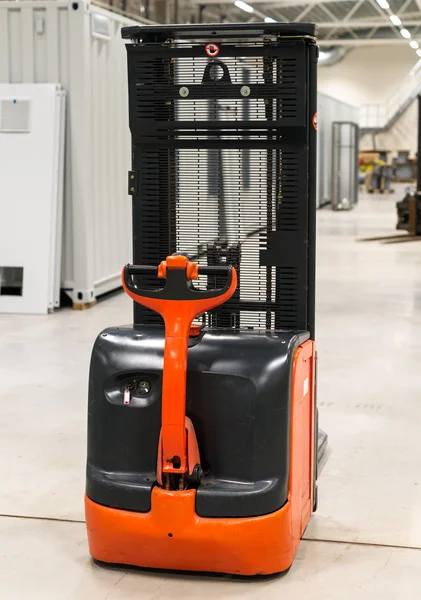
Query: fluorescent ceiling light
[[414, 44], [419, 52], [270, 20], [394, 18], [383, 4], [323, 55], [405, 33], [244, 6]]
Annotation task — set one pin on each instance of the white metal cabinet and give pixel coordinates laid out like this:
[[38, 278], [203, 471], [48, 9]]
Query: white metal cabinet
[[31, 193]]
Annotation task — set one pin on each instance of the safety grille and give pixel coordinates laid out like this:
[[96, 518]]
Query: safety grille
[[220, 151], [202, 90]]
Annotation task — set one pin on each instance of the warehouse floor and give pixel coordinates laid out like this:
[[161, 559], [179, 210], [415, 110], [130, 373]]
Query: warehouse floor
[[365, 540]]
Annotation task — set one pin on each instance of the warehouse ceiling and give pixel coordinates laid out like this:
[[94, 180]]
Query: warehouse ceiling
[[341, 22]]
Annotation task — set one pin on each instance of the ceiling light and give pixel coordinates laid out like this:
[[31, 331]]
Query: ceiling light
[[394, 18], [270, 20], [414, 44], [245, 6], [405, 33], [419, 53], [383, 4]]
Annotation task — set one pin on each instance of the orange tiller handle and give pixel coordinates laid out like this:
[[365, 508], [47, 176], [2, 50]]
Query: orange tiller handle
[[178, 303]]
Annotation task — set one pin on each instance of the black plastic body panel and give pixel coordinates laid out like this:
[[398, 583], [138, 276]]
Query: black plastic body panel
[[238, 397]]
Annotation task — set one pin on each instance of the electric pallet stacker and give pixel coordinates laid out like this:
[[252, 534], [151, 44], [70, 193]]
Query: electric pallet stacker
[[202, 450]]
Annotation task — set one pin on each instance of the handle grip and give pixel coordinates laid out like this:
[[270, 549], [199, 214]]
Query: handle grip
[[177, 286], [179, 302], [150, 270]]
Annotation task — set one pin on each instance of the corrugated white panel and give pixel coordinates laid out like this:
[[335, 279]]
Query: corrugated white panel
[[46, 41], [111, 158]]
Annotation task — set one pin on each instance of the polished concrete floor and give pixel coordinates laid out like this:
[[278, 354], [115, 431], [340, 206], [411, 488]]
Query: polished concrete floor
[[365, 540]]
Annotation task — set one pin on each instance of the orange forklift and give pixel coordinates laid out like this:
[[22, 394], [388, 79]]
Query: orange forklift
[[202, 418]]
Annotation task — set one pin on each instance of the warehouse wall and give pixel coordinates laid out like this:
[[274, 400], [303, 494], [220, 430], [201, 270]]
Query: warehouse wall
[[385, 68], [369, 74]]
